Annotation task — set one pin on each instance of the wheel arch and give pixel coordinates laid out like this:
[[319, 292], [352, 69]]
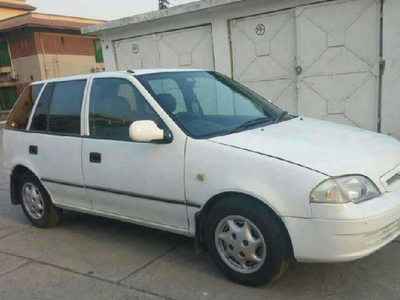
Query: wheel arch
[[201, 216], [16, 173]]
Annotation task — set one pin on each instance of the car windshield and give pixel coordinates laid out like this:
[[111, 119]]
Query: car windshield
[[207, 104]]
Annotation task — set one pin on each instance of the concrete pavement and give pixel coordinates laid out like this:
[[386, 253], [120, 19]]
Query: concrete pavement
[[88, 257]]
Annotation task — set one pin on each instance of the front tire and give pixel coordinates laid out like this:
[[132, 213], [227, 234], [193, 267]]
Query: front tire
[[247, 241], [36, 202]]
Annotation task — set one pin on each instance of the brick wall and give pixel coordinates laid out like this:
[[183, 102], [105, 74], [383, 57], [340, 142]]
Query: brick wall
[[20, 88], [64, 44], [30, 43], [22, 45]]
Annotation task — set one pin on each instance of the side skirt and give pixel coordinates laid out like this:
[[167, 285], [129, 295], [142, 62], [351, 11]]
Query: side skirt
[[126, 219]]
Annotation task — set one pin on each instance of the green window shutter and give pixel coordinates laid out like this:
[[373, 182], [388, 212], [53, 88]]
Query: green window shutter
[[11, 96], [8, 97], [5, 60], [98, 51], [2, 99]]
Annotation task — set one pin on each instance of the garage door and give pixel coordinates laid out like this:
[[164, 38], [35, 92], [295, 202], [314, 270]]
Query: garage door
[[187, 48], [320, 61], [338, 47], [264, 52]]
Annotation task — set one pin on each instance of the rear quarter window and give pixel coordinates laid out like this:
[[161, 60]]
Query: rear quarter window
[[19, 117]]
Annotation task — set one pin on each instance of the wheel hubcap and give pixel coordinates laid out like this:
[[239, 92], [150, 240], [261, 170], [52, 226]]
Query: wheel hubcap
[[33, 201], [240, 244]]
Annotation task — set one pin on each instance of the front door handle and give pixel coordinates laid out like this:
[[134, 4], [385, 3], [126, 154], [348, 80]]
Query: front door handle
[[95, 158]]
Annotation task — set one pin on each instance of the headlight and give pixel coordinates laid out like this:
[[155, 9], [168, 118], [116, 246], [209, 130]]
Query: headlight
[[344, 190]]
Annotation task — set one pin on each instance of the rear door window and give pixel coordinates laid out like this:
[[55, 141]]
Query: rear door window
[[66, 106], [36, 90], [40, 118], [20, 115]]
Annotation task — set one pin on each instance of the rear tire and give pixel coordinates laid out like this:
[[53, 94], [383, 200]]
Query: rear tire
[[247, 241], [36, 202]]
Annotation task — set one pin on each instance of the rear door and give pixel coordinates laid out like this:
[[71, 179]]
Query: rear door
[[54, 143]]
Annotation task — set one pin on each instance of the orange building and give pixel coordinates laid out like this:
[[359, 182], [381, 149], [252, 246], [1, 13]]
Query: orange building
[[36, 46]]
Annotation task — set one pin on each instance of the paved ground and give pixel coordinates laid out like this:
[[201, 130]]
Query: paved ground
[[93, 258]]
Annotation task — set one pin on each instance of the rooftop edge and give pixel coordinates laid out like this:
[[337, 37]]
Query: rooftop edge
[[159, 14]]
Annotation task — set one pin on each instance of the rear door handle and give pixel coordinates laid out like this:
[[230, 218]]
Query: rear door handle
[[33, 150], [95, 158]]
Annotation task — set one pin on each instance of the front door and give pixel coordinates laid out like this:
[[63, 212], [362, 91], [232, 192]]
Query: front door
[[143, 181]]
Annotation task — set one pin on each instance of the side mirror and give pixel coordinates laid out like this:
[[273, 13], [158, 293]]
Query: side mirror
[[148, 132]]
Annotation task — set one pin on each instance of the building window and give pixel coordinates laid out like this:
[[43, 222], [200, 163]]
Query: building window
[[62, 41], [8, 97], [5, 60], [98, 51]]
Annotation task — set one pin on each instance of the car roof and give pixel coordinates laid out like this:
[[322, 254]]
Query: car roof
[[115, 73]]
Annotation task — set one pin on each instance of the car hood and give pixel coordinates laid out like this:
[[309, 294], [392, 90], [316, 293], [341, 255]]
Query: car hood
[[326, 147]]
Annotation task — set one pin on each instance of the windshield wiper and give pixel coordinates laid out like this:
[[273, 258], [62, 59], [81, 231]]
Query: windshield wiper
[[281, 116], [249, 124]]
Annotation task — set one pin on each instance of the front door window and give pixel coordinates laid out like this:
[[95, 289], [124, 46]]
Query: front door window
[[114, 105]]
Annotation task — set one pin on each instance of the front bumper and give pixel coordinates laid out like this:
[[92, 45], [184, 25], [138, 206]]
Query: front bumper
[[363, 229]]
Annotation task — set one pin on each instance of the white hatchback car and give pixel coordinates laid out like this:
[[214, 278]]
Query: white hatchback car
[[198, 154]]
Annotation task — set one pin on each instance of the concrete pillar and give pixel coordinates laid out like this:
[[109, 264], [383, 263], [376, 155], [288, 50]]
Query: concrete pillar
[[222, 52], [391, 77], [110, 62]]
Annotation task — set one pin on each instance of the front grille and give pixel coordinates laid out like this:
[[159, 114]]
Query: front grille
[[382, 236], [394, 181], [391, 180]]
